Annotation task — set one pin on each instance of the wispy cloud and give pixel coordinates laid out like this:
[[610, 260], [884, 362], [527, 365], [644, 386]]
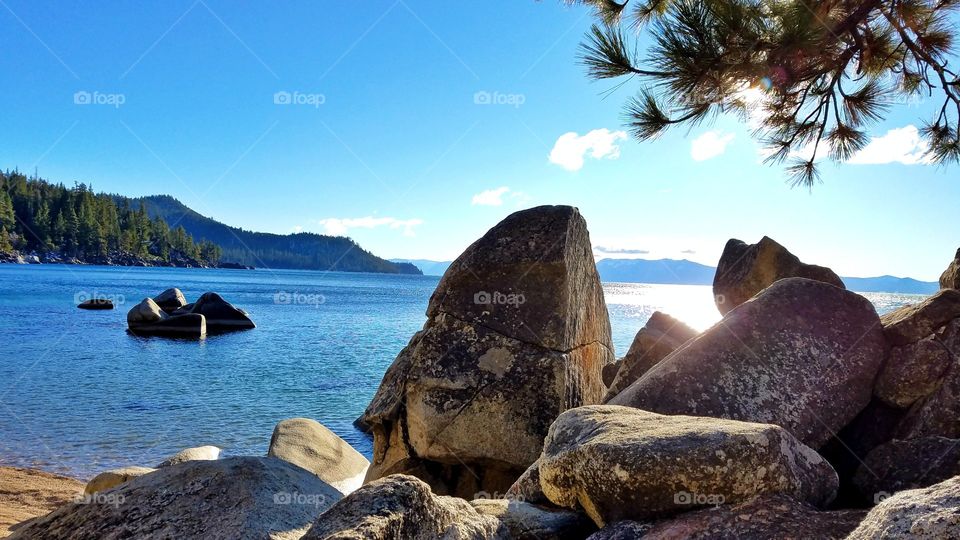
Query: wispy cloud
[[710, 145], [571, 149], [620, 251], [490, 197], [342, 226], [901, 145]]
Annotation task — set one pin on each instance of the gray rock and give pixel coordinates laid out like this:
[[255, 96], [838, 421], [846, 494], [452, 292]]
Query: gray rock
[[308, 444], [939, 414], [950, 279], [199, 453], [745, 270], [240, 497], [622, 530], [609, 372], [801, 354], [928, 513], [899, 465], [402, 506], [527, 521], [619, 463], [146, 318], [170, 300], [658, 338], [517, 333], [113, 478], [912, 372], [527, 487], [767, 516], [910, 324], [96, 304], [221, 315]]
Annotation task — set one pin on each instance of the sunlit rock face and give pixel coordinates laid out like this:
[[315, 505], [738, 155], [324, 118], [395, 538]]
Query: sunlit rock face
[[950, 279], [802, 354], [517, 333]]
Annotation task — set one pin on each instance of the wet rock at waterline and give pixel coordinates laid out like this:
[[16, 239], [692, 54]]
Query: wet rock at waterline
[[96, 304], [198, 453], [147, 319]]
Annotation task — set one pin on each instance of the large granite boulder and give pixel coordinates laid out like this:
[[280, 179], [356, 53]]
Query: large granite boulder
[[114, 477], [198, 453], [170, 300], [147, 319], [517, 332], [915, 463], [221, 315], [939, 413], [912, 372], [919, 514], [308, 444], [527, 487], [950, 279], [801, 354], [239, 497], [746, 269], [766, 516], [526, 521], [910, 324], [658, 338], [402, 506], [620, 463]]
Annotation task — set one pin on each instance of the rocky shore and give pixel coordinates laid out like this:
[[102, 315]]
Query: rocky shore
[[116, 258], [801, 414]]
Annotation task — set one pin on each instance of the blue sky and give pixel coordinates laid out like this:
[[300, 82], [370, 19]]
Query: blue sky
[[414, 127]]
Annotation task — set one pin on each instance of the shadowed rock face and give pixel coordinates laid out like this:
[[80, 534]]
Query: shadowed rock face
[[900, 465], [517, 333], [620, 463], [401, 506], [655, 341], [746, 269], [929, 513], [229, 498], [910, 324], [767, 516], [802, 354], [527, 521], [912, 372], [950, 279], [939, 413]]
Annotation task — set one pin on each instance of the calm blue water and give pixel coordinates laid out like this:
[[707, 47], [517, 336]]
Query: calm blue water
[[78, 395]]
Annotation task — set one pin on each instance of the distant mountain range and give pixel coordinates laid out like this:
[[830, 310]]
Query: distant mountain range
[[684, 272], [306, 251]]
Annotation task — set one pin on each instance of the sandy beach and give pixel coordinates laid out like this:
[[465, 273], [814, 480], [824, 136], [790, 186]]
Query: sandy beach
[[28, 493]]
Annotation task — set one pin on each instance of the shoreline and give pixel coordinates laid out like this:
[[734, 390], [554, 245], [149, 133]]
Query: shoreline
[[27, 493]]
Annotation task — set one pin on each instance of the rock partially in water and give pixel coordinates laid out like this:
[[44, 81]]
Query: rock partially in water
[[113, 478], [199, 453], [221, 315], [400, 506], [147, 319], [308, 444], [620, 463], [517, 333], [745, 270], [928, 513], [655, 341], [802, 354], [170, 300], [96, 304], [241, 497]]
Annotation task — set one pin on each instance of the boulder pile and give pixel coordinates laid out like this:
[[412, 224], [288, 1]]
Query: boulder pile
[[801, 414], [169, 314]]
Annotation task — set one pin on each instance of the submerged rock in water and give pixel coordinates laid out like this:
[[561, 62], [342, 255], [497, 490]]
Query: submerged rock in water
[[239, 497], [199, 453], [96, 304], [619, 463], [517, 333], [744, 270], [802, 354], [308, 444]]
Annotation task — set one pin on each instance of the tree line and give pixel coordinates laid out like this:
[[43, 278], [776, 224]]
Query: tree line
[[39, 216]]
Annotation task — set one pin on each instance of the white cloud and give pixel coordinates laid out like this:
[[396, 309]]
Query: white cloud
[[710, 145], [570, 149], [900, 145], [490, 197], [297, 229], [341, 226]]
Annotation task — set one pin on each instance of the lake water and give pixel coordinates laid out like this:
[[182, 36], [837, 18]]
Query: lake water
[[79, 395]]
